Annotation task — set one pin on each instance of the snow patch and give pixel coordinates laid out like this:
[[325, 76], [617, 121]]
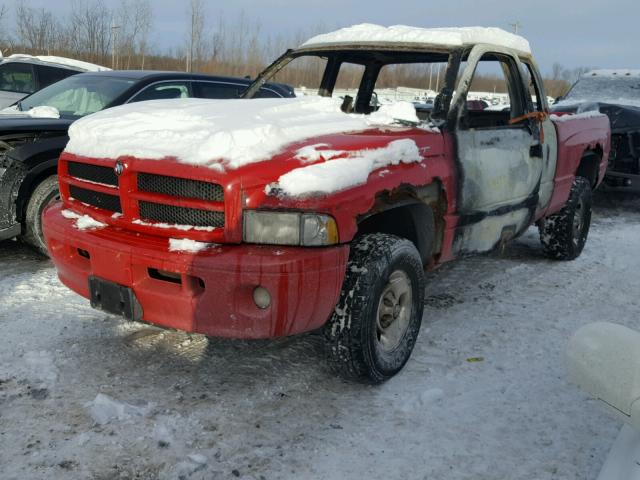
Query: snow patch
[[219, 133], [83, 222], [624, 72], [67, 62], [41, 367], [339, 174], [571, 116], [177, 226], [453, 37], [391, 113], [187, 245], [44, 112], [36, 112], [104, 409]]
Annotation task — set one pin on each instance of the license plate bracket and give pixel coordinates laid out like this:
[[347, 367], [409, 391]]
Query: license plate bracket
[[114, 298]]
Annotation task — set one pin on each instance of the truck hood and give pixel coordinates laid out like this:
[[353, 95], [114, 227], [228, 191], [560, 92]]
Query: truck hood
[[21, 124], [623, 117], [223, 134]]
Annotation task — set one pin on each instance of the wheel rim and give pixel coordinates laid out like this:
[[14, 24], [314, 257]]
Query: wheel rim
[[578, 221], [394, 311]]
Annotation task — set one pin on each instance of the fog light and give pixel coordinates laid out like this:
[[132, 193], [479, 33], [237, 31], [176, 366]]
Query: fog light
[[261, 297]]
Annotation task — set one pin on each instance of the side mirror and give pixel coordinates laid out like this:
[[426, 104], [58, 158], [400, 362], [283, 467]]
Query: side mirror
[[604, 360]]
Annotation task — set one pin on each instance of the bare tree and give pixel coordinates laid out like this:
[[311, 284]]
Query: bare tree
[[3, 14], [35, 28], [196, 34], [90, 29], [133, 17]]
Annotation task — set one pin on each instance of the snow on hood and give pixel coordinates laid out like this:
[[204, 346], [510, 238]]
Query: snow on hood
[[454, 37], [36, 112], [219, 133], [341, 169]]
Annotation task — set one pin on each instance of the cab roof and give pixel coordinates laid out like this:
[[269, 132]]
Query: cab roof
[[367, 34]]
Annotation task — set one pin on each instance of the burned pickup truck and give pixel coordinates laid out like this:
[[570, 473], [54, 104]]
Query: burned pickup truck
[[615, 93], [264, 218]]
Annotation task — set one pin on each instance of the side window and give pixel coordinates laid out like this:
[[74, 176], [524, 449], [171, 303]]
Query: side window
[[218, 90], [163, 91], [17, 77], [496, 78], [50, 75], [533, 88], [417, 82]]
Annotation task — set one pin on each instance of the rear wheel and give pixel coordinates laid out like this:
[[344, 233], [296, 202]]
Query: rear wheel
[[45, 193], [564, 234], [374, 327]]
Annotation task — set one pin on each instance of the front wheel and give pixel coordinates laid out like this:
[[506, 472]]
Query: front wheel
[[564, 234], [374, 327], [45, 193]]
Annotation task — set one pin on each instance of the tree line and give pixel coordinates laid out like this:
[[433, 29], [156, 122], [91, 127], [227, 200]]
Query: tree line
[[119, 37]]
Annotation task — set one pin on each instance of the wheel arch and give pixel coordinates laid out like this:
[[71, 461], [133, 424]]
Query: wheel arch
[[31, 181], [589, 166], [414, 213]]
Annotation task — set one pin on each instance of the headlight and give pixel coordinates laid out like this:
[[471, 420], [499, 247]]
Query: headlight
[[289, 228]]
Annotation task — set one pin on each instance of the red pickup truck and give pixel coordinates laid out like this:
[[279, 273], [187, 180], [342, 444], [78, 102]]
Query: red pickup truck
[[269, 217]]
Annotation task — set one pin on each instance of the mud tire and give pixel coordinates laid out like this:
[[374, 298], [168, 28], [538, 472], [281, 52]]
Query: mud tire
[[45, 193], [353, 337], [564, 234]]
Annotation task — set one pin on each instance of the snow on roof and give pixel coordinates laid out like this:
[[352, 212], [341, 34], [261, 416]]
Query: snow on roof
[[613, 73], [219, 133], [67, 62], [454, 37]]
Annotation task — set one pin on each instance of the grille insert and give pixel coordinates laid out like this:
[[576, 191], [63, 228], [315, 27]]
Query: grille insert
[[93, 173], [157, 212], [180, 187], [96, 199]]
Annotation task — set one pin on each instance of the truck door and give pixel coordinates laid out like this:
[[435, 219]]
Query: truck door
[[544, 132], [498, 158]]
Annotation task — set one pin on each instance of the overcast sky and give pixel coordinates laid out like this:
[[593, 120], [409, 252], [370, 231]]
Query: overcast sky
[[572, 32]]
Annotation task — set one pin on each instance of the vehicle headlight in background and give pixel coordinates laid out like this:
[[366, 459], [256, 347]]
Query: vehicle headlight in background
[[289, 228]]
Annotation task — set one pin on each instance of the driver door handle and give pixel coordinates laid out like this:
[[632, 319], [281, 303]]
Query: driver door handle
[[536, 150]]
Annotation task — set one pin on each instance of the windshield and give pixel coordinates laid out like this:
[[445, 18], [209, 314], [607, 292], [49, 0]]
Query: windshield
[[606, 88], [78, 95], [365, 80]]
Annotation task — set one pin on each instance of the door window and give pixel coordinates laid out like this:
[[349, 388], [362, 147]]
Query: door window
[[495, 95], [50, 75], [163, 91], [219, 90], [533, 88], [17, 77]]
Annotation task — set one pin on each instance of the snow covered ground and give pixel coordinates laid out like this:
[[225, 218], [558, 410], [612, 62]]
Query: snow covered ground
[[85, 395]]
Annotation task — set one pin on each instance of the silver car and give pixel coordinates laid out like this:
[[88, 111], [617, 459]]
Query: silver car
[[21, 75]]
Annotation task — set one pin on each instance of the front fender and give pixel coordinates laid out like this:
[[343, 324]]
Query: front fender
[[36, 160]]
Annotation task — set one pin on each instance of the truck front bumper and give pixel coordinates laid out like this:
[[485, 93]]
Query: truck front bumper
[[210, 292]]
